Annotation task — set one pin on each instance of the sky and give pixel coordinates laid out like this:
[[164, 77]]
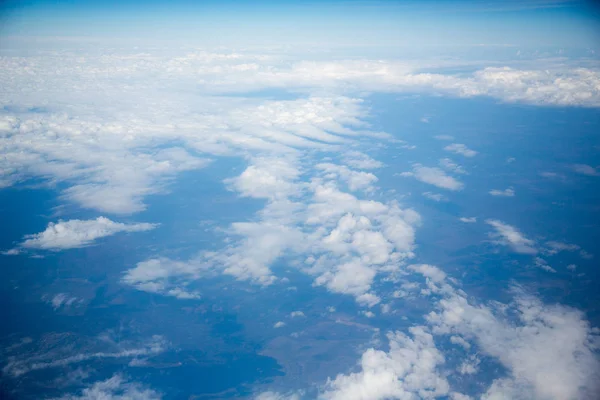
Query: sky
[[299, 200], [380, 23]]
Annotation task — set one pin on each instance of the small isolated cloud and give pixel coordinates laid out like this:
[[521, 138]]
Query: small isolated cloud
[[77, 233], [434, 176], [425, 120], [502, 193], [509, 236], [279, 324], [435, 196], [460, 148], [165, 276], [444, 137], [586, 170], [62, 300], [450, 165], [295, 314], [541, 263], [468, 220], [115, 388]]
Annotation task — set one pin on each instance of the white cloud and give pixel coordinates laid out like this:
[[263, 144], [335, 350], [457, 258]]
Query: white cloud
[[435, 196], [115, 388], [17, 367], [540, 263], [408, 370], [279, 324], [444, 137], [356, 180], [460, 148], [77, 233], [502, 193], [468, 220], [277, 396], [165, 276], [359, 160], [509, 236], [295, 314], [450, 165], [62, 300], [434, 176], [585, 170], [549, 351]]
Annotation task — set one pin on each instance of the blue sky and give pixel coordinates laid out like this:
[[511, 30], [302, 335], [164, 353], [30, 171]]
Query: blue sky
[[390, 23]]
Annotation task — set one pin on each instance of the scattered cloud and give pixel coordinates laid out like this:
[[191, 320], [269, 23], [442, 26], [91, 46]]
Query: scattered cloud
[[408, 369], [295, 314], [509, 236], [435, 196], [279, 324], [444, 137], [502, 193], [584, 169], [434, 176], [450, 165], [460, 148], [77, 233], [114, 388], [468, 220]]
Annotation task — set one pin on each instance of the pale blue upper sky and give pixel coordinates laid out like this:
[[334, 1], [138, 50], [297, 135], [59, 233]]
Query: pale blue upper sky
[[404, 23]]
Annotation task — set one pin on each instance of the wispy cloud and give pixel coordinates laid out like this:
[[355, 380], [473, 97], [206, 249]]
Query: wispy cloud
[[509, 236]]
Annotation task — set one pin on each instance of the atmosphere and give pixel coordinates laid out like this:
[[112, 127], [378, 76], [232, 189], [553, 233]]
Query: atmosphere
[[299, 200]]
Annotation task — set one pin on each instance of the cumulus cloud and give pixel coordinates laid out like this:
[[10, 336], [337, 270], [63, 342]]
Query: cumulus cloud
[[114, 388], [502, 193], [77, 233], [356, 180], [295, 314], [509, 236], [468, 220], [409, 369], [356, 159], [460, 148], [279, 324], [434, 176], [549, 350], [165, 276]]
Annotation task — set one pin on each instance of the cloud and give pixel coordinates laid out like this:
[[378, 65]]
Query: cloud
[[434, 196], [502, 193], [450, 165], [585, 170], [409, 369], [277, 396], [114, 388], [77, 233], [509, 236], [279, 324], [434, 176], [548, 351], [165, 276], [62, 300], [17, 367], [469, 220], [356, 180], [460, 148], [444, 137], [359, 160]]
